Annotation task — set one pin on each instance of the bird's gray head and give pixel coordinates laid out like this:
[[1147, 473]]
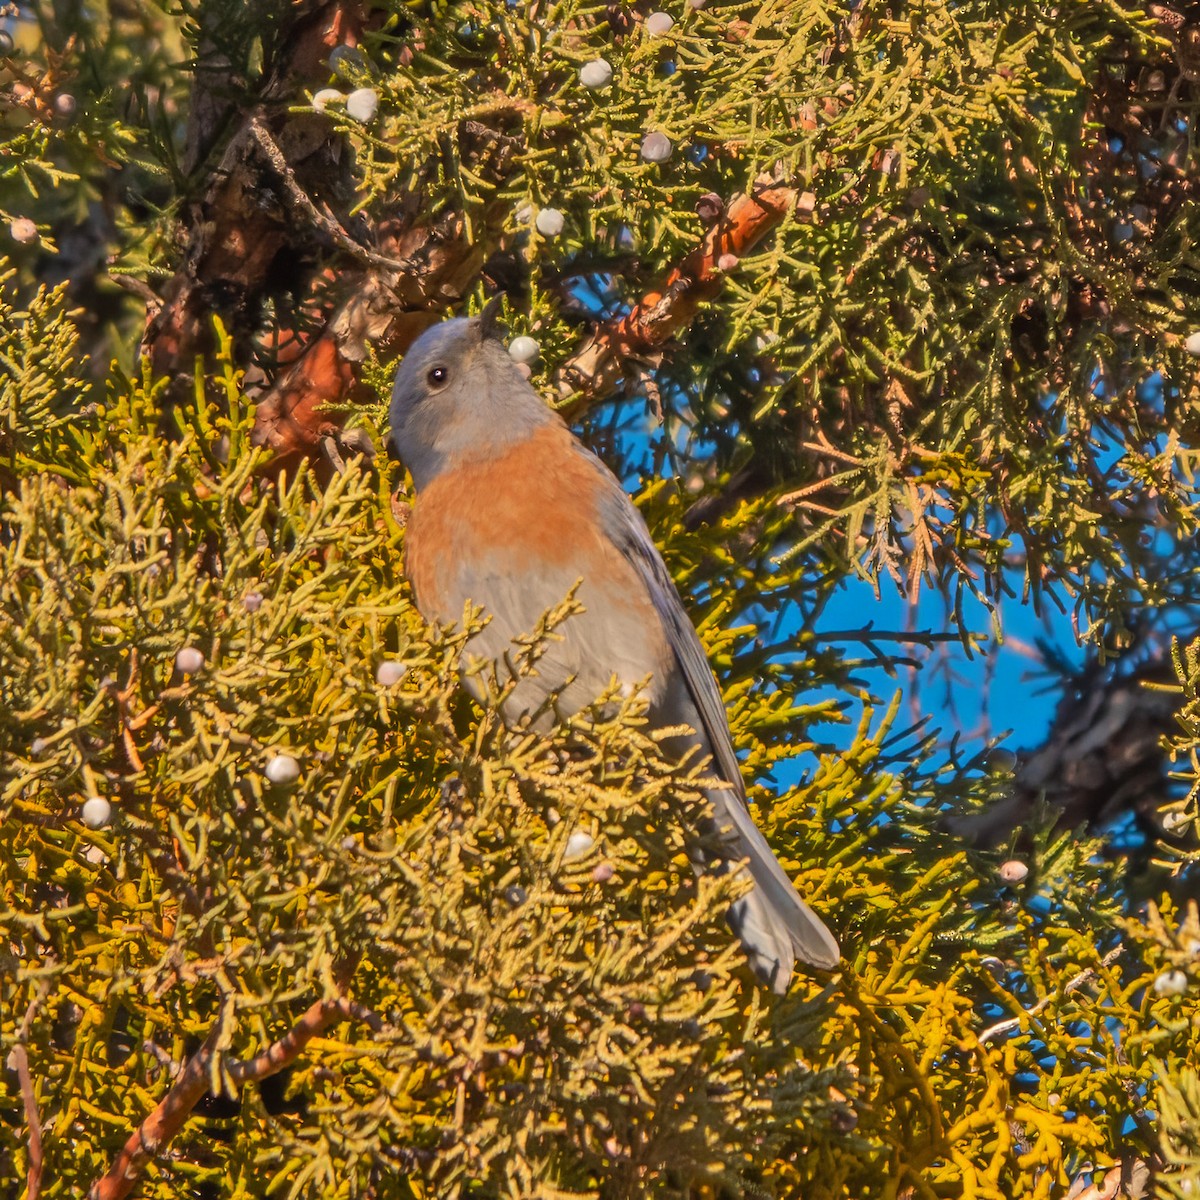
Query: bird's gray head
[[459, 397]]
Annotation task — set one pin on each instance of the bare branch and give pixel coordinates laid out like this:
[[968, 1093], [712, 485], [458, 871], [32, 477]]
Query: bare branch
[[663, 312], [321, 218], [1073, 985], [154, 1134], [868, 633], [18, 1060], [314, 1022]]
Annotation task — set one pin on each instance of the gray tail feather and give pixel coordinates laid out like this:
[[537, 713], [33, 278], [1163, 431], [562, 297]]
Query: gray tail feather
[[773, 924]]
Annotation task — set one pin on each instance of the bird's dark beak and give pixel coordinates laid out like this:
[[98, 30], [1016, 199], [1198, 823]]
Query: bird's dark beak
[[489, 319]]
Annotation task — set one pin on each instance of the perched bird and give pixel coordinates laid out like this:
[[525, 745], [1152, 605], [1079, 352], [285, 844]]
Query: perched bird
[[511, 512]]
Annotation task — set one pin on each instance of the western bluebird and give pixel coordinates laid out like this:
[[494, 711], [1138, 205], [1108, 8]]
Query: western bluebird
[[511, 513]]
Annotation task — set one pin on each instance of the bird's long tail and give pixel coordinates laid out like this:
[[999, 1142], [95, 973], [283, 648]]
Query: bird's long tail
[[773, 924]]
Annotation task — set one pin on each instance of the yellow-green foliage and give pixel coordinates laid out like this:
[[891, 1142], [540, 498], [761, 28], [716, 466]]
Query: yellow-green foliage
[[542, 1024], [1179, 1102], [910, 361], [915, 356]]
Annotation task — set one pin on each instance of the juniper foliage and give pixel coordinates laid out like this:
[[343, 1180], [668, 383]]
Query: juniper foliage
[[957, 359]]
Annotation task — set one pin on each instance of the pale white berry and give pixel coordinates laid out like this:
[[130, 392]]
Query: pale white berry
[[1192, 343], [1171, 983], [325, 97], [658, 23], [523, 349], [362, 104], [189, 660], [656, 147], [96, 812], [252, 601], [283, 768], [578, 844], [550, 222], [1013, 871], [23, 230], [1174, 820], [390, 672], [596, 74]]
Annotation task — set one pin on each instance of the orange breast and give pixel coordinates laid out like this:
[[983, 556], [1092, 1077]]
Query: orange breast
[[536, 504], [514, 535]]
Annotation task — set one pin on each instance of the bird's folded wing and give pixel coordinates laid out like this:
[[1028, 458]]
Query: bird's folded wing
[[629, 532]]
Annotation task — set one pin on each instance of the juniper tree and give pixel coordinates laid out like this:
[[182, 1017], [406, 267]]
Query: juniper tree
[[901, 293]]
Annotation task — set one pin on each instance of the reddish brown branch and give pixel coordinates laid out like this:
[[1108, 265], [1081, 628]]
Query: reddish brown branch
[[385, 308], [663, 312], [18, 1060], [155, 1133], [289, 420], [439, 265], [314, 1022], [240, 242]]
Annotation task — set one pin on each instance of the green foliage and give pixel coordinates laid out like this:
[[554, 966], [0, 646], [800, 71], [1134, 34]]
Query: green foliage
[[544, 1022], [915, 367], [939, 366], [925, 325], [40, 384], [1180, 1106]]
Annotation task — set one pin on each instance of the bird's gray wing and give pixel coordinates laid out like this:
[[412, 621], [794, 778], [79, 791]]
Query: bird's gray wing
[[772, 921], [628, 531]]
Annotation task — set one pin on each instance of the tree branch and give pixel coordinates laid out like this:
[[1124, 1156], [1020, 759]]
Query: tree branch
[[18, 1060], [314, 1022], [155, 1133], [661, 313], [1073, 985], [321, 218]]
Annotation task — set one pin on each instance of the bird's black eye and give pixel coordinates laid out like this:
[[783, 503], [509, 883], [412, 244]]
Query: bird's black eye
[[436, 376]]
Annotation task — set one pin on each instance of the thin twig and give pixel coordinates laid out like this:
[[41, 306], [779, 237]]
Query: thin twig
[[1073, 985], [164, 1060], [138, 287], [154, 1134], [18, 1061], [326, 223], [869, 634]]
